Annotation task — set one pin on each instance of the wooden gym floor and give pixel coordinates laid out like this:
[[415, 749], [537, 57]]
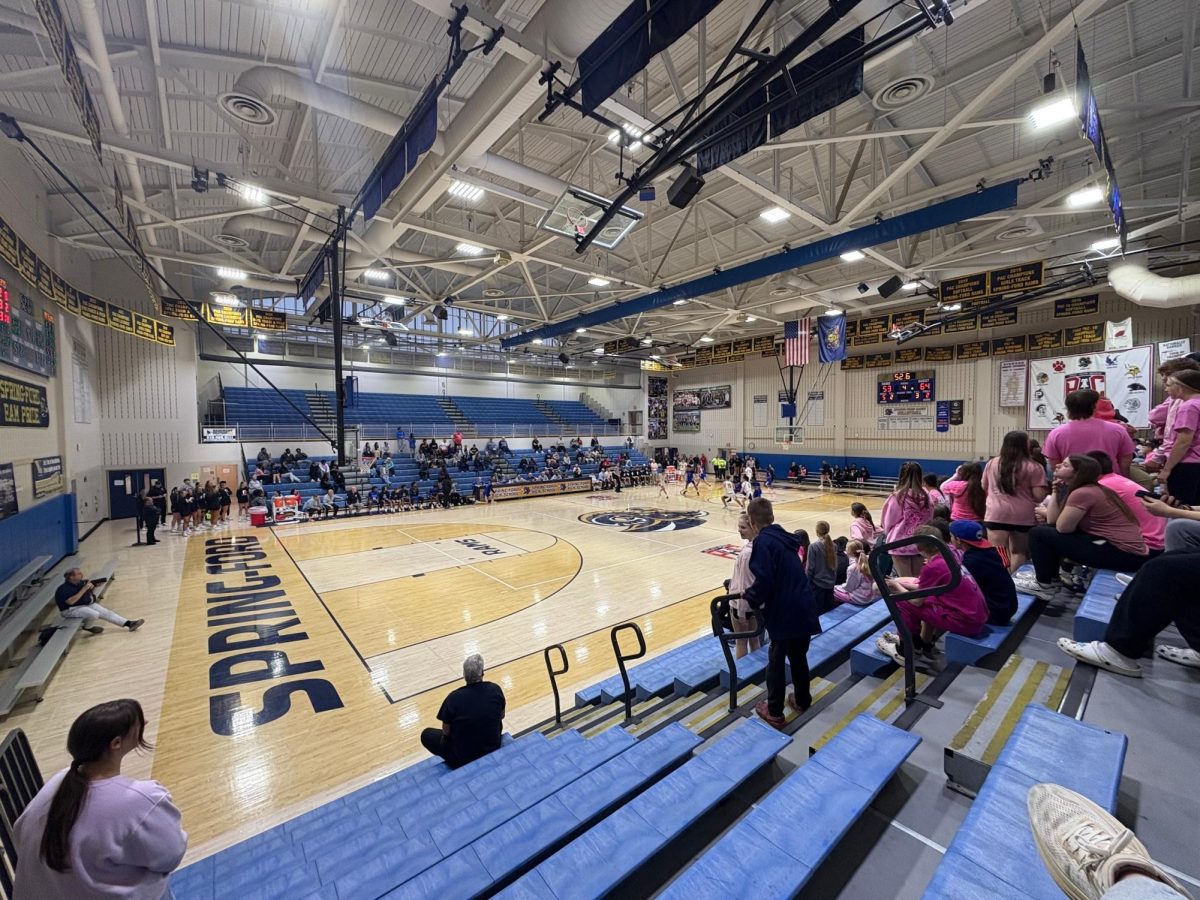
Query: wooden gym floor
[[281, 668]]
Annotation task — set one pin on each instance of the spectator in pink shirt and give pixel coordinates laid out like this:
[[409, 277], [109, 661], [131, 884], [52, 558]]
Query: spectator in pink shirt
[[966, 494], [1015, 484], [91, 833], [1083, 432], [1154, 528], [1181, 471]]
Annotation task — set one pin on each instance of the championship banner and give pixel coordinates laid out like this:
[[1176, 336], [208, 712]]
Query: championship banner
[[267, 320], [47, 476], [540, 489], [1118, 335], [1123, 377], [8, 491], [23, 405]]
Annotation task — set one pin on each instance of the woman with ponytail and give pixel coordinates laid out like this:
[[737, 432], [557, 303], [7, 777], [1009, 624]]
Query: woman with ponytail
[[93, 833], [821, 568]]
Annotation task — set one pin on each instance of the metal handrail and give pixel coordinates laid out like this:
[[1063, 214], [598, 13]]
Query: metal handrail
[[876, 555], [554, 673], [20, 780], [622, 659], [720, 613]]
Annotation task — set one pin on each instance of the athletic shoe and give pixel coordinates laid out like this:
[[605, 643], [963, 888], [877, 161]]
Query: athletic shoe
[[791, 702], [1100, 655], [891, 637], [1181, 655], [1028, 584], [1124, 578], [93, 629], [765, 714], [134, 624], [890, 650], [1085, 849]]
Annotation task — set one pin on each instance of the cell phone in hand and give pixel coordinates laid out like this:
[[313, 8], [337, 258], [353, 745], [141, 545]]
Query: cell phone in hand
[[97, 580], [1149, 495]]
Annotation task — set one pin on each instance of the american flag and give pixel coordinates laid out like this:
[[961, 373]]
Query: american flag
[[796, 337]]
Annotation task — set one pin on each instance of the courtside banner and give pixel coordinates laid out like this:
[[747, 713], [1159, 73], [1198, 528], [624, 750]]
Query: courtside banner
[[540, 489]]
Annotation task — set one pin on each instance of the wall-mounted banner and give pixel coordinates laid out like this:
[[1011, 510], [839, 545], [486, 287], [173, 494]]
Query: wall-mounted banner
[[1082, 336], [1123, 377], [685, 399], [656, 408], [973, 350], [998, 318], [908, 355], [47, 476], [1118, 335], [943, 416], [1013, 374], [1045, 340], [1077, 306], [64, 51], [540, 489], [720, 397], [1173, 349], [267, 320], [620, 345], [853, 362], [218, 436], [8, 491], [1007, 280], [878, 360], [176, 309], [23, 405], [958, 326], [939, 354], [687, 422], [41, 279], [956, 412], [815, 409], [1008, 345]]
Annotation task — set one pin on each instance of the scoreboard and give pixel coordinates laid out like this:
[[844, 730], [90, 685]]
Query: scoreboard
[[907, 387]]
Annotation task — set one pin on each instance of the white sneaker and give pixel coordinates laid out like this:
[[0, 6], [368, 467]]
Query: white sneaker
[[1085, 849], [1094, 654], [890, 650], [1181, 655], [1027, 583]]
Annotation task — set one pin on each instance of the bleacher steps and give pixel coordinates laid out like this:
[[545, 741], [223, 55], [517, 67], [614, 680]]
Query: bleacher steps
[[320, 410], [544, 408], [973, 750], [455, 415], [885, 701]]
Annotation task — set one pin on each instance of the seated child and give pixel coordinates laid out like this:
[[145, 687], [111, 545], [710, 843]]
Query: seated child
[[988, 569], [960, 611], [859, 587]]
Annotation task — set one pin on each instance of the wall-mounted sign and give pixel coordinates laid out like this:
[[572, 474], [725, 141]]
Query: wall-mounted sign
[[176, 309], [47, 476], [972, 350], [939, 354], [877, 360], [958, 326], [1009, 279], [687, 422], [853, 362], [1077, 306], [908, 355], [1007, 345], [1173, 349], [23, 405], [1083, 336], [956, 412], [1013, 373], [218, 436], [1045, 340], [8, 491], [997, 318], [620, 345], [267, 320]]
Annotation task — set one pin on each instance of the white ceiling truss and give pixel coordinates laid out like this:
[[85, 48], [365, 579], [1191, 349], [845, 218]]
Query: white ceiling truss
[[937, 116]]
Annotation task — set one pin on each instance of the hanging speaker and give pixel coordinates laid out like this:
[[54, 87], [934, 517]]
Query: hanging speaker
[[684, 188], [441, 312], [563, 358], [890, 286]]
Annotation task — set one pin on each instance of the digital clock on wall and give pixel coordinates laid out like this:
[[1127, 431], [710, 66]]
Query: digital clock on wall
[[907, 387]]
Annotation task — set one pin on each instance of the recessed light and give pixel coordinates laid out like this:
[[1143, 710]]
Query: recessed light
[[750, 319], [1088, 196], [465, 332], [581, 331], [911, 285], [227, 272], [538, 341], [377, 275], [853, 256], [833, 312], [502, 317], [679, 303], [706, 339], [597, 281], [251, 193], [469, 249], [464, 191], [394, 301], [774, 215], [1052, 112], [1110, 243]]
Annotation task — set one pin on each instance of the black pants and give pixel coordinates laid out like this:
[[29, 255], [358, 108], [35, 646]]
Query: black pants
[[824, 598], [1155, 599], [1184, 483], [151, 524], [435, 741], [793, 651], [1048, 548]]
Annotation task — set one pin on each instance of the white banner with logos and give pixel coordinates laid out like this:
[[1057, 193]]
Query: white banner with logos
[[1123, 377]]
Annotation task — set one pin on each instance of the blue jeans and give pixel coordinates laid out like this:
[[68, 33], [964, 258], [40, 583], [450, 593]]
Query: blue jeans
[[1141, 889]]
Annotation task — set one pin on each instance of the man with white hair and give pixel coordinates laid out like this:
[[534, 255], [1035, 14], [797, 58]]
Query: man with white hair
[[472, 718]]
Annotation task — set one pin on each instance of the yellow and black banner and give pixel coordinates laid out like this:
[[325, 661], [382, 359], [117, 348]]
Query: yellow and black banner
[[972, 350], [1083, 335], [1045, 340], [23, 405], [1007, 345], [877, 360], [939, 354], [1007, 280], [1077, 306], [267, 320], [540, 489], [909, 355]]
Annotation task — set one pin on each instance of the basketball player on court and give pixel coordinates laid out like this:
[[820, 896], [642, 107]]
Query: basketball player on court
[[662, 483], [690, 482], [731, 494]]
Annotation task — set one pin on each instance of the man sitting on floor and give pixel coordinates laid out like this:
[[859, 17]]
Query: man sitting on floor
[[472, 719], [76, 600]]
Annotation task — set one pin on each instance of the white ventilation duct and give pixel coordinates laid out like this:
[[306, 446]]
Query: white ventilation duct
[[1139, 285]]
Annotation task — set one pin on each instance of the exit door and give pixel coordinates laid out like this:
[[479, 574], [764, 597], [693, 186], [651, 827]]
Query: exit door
[[123, 487]]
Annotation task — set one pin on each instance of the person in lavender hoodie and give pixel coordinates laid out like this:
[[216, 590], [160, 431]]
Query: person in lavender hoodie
[[93, 833]]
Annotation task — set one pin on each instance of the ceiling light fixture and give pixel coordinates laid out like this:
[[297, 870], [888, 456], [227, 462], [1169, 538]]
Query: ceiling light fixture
[[853, 256], [538, 341], [774, 215], [706, 339], [647, 340], [597, 281], [679, 303], [465, 332], [223, 298], [503, 317], [951, 307], [469, 249], [634, 133], [394, 301], [251, 193], [227, 272], [654, 356], [581, 331], [911, 285], [1088, 196], [750, 319], [599, 351], [833, 312], [469, 192], [377, 275], [1109, 243], [1053, 111]]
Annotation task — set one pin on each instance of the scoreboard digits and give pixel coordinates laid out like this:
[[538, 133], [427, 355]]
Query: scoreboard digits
[[907, 387]]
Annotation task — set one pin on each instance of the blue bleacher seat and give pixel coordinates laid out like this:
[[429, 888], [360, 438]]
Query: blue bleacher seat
[[601, 858], [1096, 608], [867, 659], [783, 839], [971, 650], [993, 854]]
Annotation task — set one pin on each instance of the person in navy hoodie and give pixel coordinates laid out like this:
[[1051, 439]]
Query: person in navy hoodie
[[782, 592]]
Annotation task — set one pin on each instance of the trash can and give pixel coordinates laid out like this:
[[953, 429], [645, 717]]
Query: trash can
[[258, 515]]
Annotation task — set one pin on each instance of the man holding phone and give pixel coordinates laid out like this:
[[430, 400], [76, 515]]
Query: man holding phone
[[76, 600]]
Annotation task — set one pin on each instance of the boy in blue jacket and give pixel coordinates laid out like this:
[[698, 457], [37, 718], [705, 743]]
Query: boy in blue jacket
[[781, 591]]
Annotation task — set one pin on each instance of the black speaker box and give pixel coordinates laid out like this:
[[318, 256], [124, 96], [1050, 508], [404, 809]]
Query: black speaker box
[[684, 188], [890, 286]]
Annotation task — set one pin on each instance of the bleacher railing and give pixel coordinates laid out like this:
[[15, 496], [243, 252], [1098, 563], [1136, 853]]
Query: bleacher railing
[[722, 628], [554, 673], [20, 780], [622, 658], [283, 431]]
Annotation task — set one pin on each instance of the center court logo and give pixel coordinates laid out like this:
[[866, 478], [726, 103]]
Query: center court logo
[[646, 520]]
